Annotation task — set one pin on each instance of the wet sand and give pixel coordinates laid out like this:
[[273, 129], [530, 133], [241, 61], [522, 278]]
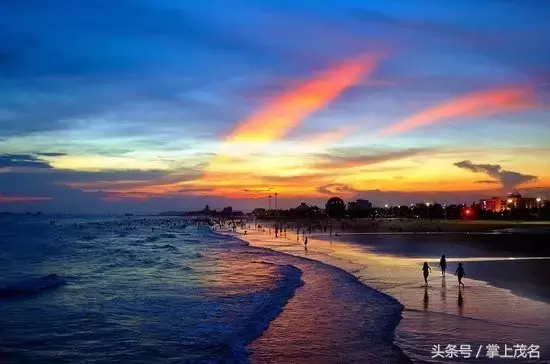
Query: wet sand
[[444, 226], [503, 260], [478, 315]]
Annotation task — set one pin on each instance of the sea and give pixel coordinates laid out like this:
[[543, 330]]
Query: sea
[[132, 289]]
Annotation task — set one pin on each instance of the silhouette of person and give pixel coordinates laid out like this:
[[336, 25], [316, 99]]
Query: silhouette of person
[[443, 265], [460, 274], [426, 271], [305, 243]]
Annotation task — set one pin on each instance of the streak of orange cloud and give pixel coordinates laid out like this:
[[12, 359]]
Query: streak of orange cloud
[[489, 102], [326, 138], [286, 111], [271, 122], [9, 199]]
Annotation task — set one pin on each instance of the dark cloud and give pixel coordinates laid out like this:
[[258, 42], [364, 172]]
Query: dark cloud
[[190, 189], [258, 190], [85, 192], [51, 154], [355, 160], [335, 188], [61, 175], [508, 179], [22, 160], [488, 182]]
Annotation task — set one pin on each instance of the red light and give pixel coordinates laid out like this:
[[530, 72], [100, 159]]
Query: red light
[[467, 212]]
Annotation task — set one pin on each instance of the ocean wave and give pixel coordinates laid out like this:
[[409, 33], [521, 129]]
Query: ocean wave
[[167, 236], [167, 264], [192, 241], [166, 246], [31, 286], [268, 305], [263, 262]]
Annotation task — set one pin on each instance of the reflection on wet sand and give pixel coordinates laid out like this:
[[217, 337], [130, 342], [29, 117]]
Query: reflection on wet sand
[[426, 298], [460, 302]]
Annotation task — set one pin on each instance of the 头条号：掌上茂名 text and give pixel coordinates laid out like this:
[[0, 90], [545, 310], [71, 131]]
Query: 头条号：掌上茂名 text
[[513, 351]]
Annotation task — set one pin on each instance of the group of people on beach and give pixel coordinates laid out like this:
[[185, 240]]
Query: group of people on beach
[[426, 270]]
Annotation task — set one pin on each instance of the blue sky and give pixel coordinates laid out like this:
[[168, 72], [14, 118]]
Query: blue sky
[[104, 100]]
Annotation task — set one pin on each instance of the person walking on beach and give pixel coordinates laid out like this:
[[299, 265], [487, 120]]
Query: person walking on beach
[[443, 265], [426, 271], [460, 274], [305, 243]]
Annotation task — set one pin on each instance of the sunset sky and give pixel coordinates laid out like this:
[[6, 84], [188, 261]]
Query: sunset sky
[[150, 105]]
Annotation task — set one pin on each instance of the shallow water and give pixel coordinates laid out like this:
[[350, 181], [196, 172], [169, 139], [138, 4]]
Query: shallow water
[[135, 297], [479, 314], [125, 293]]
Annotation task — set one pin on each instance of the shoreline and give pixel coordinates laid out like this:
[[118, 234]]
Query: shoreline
[[406, 225], [349, 278], [414, 317]]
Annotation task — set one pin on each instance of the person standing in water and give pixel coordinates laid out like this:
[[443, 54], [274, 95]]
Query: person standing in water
[[426, 271], [443, 265], [460, 274]]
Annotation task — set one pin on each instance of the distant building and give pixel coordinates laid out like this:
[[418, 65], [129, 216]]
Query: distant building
[[259, 211], [512, 201], [302, 208], [227, 210], [359, 205]]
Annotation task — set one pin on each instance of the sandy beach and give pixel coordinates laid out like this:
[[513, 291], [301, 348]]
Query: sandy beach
[[519, 262], [396, 225], [488, 310]]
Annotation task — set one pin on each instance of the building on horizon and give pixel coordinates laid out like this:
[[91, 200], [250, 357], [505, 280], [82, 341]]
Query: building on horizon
[[303, 207], [512, 201], [359, 206]]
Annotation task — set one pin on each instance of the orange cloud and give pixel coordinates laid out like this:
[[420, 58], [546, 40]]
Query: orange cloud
[[326, 138], [235, 176], [490, 102], [285, 112], [8, 199]]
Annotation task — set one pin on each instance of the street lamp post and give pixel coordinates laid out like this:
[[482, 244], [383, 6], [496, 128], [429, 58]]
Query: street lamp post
[[386, 206], [539, 200], [269, 203], [428, 206], [276, 200]]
